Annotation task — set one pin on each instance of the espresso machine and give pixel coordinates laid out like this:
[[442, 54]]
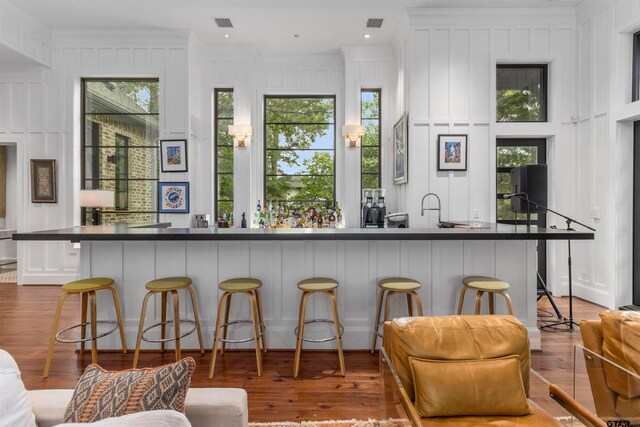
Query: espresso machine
[[373, 209]]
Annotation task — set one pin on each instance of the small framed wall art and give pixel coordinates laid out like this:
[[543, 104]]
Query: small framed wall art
[[173, 155], [400, 151], [452, 152], [173, 197], [43, 181]]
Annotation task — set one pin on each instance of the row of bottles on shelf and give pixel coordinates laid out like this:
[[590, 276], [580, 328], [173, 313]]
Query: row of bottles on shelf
[[271, 216]]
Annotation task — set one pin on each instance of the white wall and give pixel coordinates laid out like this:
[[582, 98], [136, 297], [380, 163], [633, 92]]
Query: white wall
[[440, 69], [367, 67], [446, 73], [40, 107], [22, 37], [604, 146]]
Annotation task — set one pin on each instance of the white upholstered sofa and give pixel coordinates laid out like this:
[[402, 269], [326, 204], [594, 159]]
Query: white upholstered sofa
[[203, 406]]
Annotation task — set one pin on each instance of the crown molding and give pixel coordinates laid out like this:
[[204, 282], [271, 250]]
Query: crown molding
[[492, 17], [100, 38]]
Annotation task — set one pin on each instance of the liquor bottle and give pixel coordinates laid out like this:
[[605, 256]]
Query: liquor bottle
[[258, 208], [319, 221], [332, 220], [243, 223]]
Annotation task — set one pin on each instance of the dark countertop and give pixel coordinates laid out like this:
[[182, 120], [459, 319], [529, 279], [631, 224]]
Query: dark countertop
[[126, 232]]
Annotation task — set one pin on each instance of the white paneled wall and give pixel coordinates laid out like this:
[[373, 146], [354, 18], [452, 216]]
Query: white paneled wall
[[448, 66], [40, 111], [604, 144], [440, 69], [367, 67]]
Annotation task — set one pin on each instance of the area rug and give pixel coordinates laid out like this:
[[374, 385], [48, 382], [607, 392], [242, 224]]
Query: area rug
[[569, 422], [392, 422]]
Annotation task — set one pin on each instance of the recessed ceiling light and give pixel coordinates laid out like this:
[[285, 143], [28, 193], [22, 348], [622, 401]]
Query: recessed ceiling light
[[296, 35], [226, 36], [366, 36]]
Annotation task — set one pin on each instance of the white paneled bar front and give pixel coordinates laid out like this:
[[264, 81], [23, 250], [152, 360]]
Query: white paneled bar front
[[357, 264]]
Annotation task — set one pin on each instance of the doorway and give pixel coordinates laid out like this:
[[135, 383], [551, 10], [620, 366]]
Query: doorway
[[8, 212]]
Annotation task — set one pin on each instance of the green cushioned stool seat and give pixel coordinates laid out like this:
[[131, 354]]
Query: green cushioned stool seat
[[485, 283], [86, 285], [317, 284], [399, 284], [242, 284], [168, 283]]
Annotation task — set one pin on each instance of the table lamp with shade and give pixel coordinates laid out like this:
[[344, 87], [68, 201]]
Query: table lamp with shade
[[96, 200]]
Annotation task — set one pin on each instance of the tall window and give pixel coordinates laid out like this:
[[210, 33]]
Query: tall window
[[223, 117], [300, 151], [370, 153], [521, 93], [120, 146]]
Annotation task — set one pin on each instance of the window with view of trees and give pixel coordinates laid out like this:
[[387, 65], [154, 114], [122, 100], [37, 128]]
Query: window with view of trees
[[300, 151], [370, 176], [521, 93], [120, 146], [223, 117]]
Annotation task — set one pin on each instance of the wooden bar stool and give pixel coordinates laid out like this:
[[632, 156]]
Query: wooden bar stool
[[249, 287], [482, 284], [87, 289], [388, 288], [165, 286], [308, 287]]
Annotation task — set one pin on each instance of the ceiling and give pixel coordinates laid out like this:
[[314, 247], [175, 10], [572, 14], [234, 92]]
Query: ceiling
[[271, 25]]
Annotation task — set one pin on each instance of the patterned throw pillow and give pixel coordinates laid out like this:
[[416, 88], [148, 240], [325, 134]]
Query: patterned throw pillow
[[102, 394]]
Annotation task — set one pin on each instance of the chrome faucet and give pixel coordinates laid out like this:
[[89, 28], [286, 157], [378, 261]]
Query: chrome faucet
[[439, 208]]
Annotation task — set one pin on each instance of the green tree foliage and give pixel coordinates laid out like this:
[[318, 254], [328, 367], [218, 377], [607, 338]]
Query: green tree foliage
[[145, 94], [294, 124], [317, 188], [510, 157], [517, 106]]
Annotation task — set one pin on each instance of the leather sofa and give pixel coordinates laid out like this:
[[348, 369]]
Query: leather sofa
[[614, 338], [204, 407], [465, 339]]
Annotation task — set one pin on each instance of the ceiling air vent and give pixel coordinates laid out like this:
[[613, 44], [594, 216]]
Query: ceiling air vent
[[223, 22], [374, 22]]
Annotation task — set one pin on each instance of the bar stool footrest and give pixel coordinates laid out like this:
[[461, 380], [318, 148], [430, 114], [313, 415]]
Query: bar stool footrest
[[230, 341], [104, 334], [306, 322], [155, 325]]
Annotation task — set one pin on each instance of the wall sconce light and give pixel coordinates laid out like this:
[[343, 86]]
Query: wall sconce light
[[240, 133], [352, 133], [96, 200]]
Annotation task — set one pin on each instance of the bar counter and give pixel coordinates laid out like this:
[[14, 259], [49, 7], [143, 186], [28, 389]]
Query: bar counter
[[357, 258], [465, 231]]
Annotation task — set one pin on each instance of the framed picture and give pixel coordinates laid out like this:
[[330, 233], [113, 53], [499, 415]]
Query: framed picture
[[43, 181], [173, 197], [400, 151], [173, 155], [452, 152]]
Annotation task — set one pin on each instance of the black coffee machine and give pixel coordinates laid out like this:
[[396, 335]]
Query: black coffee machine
[[373, 209]]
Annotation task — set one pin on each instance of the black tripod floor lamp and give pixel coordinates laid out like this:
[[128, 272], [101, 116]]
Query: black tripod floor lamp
[[568, 322]]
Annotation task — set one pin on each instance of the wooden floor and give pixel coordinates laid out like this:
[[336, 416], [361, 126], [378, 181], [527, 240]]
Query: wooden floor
[[26, 315]]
